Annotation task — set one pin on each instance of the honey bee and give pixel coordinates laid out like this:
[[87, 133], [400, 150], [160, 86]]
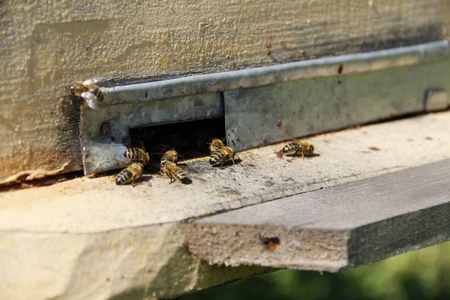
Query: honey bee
[[130, 174], [89, 100], [222, 155], [169, 156], [215, 145], [174, 172], [87, 90], [295, 147], [78, 88], [137, 155]]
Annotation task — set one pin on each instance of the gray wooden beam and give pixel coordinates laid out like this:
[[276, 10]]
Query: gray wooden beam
[[333, 228], [57, 233]]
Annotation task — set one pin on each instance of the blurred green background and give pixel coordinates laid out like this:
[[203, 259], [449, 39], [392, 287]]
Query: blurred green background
[[422, 274]]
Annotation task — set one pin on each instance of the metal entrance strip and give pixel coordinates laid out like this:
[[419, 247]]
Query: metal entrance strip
[[265, 105]]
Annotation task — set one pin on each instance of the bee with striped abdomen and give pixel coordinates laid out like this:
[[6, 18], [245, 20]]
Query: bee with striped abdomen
[[174, 172], [130, 174], [298, 147], [137, 155], [78, 88], [222, 155], [89, 91], [169, 156]]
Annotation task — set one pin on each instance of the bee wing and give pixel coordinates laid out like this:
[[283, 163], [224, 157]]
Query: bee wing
[[291, 137], [91, 80], [91, 99], [169, 168], [184, 166]]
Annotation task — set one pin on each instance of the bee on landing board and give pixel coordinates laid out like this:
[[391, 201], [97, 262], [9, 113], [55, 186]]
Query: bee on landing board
[[137, 155], [222, 155], [298, 147], [215, 145], [174, 172], [138, 159], [130, 174], [169, 156]]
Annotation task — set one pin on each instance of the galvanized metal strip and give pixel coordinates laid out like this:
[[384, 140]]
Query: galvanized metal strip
[[226, 81], [260, 116], [105, 131], [338, 92]]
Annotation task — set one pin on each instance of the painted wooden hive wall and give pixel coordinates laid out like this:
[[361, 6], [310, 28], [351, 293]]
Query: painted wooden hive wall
[[47, 45]]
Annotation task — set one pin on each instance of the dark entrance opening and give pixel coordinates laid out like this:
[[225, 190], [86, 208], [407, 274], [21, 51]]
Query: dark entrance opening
[[190, 139]]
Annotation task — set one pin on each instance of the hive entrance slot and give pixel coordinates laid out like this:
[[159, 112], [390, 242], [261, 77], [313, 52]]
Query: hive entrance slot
[[190, 139]]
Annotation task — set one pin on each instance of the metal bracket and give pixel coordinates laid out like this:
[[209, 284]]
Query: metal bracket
[[264, 105], [105, 131]]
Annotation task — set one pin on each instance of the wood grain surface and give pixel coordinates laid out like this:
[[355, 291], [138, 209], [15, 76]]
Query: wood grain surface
[[47, 47], [333, 228], [107, 241]]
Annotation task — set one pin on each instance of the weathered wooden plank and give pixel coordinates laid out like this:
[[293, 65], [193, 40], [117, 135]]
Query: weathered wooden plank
[[338, 227], [88, 238], [44, 48]]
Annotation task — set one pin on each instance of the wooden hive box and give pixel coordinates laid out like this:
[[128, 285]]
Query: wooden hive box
[[265, 70]]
